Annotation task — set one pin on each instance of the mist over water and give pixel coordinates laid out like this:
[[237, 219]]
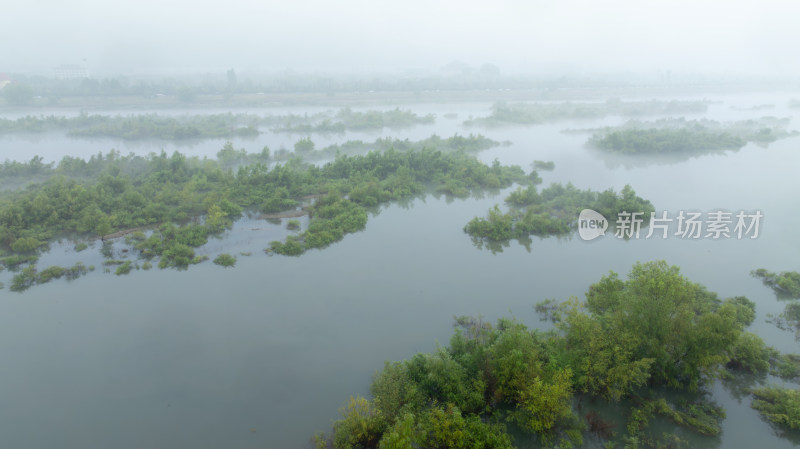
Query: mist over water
[[263, 354]]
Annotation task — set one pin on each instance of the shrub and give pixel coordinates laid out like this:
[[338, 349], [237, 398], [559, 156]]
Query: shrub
[[225, 260]]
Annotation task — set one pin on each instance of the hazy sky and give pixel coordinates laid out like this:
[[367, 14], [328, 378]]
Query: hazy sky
[[555, 35]]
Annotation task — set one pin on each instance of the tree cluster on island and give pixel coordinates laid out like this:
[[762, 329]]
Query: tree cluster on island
[[630, 342], [209, 126], [546, 112], [184, 200], [677, 136]]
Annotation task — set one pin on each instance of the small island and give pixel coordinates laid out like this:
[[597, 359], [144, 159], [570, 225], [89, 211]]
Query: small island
[[633, 342], [671, 136], [551, 211], [537, 113]]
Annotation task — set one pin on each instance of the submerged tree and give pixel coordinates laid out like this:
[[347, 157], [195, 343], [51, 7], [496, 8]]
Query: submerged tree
[[629, 340]]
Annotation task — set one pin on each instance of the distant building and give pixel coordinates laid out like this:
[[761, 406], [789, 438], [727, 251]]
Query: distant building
[[70, 72]]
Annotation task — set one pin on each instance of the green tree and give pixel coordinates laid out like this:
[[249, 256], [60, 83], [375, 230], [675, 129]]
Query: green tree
[[658, 315], [361, 425], [304, 146], [103, 226], [779, 405], [225, 260]]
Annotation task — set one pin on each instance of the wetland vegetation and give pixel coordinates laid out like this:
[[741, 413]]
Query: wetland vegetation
[[631, 341], [206, 126], [185, 200], [785, 283], [537, 113], [495, 385], [551, 211], [666, 136]]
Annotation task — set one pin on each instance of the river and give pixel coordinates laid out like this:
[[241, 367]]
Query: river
[[262, 355]]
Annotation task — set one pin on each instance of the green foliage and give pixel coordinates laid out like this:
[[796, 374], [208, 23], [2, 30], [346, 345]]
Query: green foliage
[[745, 309], [784, 283], [681, 136], [552, 211], [111, 195], [438, 400], [16, 260], [225, 260], [785, 366], [536, 113], [402, 435], [455, 144], [750, 354], [291, 247], [701, 417], [125, 268], [24, 279], [346, 119], [544, 165], [632, 141], [229, 156], [446, 427], [778, 405], [77, 271], [543, 405], [293, 225], [496, 226], [305, 145], [175, 244], [605, 363], [278, 201], [628, 340], [134, 127], [658, 326], [29, 276], [49, 273], [25, 245], [361, 425]]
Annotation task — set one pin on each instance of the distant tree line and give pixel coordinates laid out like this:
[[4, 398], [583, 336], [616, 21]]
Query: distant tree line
[[536, 113], [200, 126]]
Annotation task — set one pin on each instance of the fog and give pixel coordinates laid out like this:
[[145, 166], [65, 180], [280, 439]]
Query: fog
[[554, 37]]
